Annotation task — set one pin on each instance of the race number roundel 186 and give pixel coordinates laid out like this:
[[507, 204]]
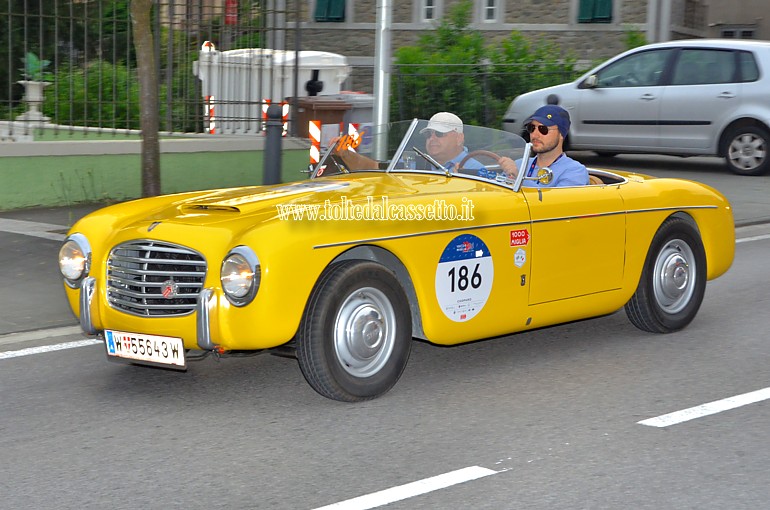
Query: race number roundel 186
[[464, 277]]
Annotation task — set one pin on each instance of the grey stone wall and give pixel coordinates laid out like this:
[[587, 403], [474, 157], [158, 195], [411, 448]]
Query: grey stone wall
[[634, 12], [534, 11], [537, 20], [365, 11]]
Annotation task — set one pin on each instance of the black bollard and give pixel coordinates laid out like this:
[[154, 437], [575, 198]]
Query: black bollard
[[273, 136]]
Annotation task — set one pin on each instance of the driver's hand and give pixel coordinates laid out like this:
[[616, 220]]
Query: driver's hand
[[508, 166]]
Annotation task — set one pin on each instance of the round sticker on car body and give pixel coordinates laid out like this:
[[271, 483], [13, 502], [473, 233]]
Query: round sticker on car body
[[464, 277]]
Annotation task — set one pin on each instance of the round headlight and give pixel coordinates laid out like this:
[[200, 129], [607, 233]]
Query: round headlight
[[240, 275], [74, 259]]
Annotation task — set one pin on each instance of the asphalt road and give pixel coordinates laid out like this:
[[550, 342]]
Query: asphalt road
[[547, 419]]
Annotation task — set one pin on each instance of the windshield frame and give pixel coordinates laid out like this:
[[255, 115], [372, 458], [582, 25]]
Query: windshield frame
[[402, 146], [480, 141]]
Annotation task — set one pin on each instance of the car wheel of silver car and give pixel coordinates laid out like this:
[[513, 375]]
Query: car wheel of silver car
[[746, 150], [673, 280], [355, 337]]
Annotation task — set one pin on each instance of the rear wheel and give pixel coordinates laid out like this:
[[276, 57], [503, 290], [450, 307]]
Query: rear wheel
[[673, 280], [746, 151], [355, 337]]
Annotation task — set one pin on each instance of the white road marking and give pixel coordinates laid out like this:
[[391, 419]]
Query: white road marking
[[410, 490], [707, 409], [47, 348], [32, 228], [752, 238]]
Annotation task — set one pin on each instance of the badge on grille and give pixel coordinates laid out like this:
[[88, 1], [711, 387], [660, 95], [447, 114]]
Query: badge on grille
[[170, 289]]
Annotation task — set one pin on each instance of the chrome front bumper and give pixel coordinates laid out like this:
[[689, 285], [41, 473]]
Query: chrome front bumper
[[202, 307]]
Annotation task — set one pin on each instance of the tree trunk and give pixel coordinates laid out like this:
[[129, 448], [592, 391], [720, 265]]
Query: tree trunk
[[144, 43]]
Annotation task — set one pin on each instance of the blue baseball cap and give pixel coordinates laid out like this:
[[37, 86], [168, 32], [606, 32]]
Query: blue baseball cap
[[552, 115]]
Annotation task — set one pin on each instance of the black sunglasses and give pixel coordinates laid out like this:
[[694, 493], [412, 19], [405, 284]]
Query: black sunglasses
[[438, 134], [543, 129]]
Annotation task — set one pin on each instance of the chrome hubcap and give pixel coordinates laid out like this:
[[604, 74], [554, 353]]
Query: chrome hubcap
[[747, 151], [365, 332], [675, 271]]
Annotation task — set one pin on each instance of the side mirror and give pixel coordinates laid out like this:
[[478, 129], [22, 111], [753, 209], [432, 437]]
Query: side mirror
[[592, 81], [544, 176]]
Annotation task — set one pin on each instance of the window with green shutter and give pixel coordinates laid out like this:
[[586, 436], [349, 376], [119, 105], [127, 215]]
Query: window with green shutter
[[330, 10], [595, 11]]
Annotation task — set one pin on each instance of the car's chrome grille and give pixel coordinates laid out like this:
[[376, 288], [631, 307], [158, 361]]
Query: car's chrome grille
[[154, 279]]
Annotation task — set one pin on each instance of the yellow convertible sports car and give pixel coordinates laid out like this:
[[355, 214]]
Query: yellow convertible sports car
[[344, 269]]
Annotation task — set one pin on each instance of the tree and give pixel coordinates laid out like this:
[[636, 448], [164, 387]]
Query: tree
[[451, 69], [144, 43]]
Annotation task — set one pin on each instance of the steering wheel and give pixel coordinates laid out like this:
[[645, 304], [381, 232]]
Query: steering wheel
[[478, 153]]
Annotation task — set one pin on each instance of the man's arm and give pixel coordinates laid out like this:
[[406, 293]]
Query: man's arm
[[356, 161], [509, 166]]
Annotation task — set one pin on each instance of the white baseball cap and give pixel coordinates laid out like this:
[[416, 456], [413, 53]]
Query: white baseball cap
[[444, 122]]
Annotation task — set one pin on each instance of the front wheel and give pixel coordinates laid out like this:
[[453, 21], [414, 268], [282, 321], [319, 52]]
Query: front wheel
[[746, 152], [355, 336], [673, 280]]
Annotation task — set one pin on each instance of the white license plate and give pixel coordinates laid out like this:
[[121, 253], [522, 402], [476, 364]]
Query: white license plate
[[164, 350]]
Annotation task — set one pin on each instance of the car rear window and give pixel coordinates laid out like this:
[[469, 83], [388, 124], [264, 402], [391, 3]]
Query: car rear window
[[704, 66], [748, 66]]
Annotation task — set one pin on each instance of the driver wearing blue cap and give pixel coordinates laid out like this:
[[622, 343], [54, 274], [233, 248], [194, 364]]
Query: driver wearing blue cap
[[548, 128]]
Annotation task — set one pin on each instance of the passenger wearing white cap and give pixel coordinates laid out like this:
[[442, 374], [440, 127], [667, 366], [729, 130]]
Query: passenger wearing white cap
[[444, 140]]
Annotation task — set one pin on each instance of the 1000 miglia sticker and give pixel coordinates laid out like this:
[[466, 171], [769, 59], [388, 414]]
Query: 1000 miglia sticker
[[464, 277]]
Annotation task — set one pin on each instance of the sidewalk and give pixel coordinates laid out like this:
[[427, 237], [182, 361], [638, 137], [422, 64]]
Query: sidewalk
[[31, 295]]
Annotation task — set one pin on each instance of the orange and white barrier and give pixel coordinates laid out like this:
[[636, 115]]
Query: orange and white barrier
[[355, 136], [351, 140], [211, 127], [284, 115], [265, 106], [314, 133], [285, 108]]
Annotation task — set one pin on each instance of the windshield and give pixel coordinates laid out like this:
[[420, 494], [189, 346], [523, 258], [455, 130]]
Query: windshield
[[412, 146]]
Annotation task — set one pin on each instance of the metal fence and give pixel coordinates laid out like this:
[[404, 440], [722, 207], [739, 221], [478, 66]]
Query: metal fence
[[71, 65], [68, 68]]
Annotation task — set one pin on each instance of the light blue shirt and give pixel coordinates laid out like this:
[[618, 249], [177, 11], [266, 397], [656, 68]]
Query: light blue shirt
[[471, 164], [566, 172]]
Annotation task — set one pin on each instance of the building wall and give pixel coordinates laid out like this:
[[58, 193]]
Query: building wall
[[553, 20], [739, 15]]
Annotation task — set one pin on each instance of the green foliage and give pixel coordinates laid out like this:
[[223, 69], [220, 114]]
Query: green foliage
[[633, 38], [519, 66], [428, 74], [106, 95], [100, 94], [35, 69], [451, 69]]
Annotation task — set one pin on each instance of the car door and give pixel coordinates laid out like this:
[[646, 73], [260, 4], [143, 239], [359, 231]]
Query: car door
[[618, 107], [577, 241], [703, 93]]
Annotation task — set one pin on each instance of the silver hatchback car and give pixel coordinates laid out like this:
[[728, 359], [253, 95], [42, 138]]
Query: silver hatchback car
[[686, 98]]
